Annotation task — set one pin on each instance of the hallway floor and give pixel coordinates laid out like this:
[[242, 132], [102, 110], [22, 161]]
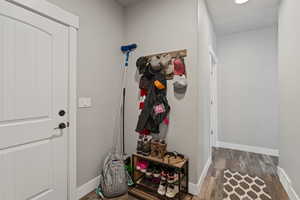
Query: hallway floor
[[236, 175]]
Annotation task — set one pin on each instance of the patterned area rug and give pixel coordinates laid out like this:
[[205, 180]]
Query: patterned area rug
[[238, 186]]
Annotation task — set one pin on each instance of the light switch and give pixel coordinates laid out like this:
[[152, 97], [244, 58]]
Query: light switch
[[84, 102]]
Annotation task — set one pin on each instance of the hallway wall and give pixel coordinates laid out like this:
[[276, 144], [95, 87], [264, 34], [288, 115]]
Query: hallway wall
[[289, 70], [99, 58], [158, 26], [248, 88]]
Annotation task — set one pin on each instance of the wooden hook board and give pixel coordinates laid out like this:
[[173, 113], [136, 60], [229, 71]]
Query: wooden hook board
[[174, 54]]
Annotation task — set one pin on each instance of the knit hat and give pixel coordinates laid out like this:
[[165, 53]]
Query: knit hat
[[142, 64], [165, 60], [168, 67], [155, 65], [179, 66], [180, 83]]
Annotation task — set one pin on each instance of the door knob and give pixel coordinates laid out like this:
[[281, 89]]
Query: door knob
[[61, 113], [61, 126]]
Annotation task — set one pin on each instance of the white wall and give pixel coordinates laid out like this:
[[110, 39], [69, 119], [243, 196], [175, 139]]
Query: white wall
[[158, 26], [248, 88], [289, 70], [100, 36]]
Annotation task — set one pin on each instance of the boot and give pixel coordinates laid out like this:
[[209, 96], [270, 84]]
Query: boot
[[140, 144], [161, 149], [147, 146], [154, 148]]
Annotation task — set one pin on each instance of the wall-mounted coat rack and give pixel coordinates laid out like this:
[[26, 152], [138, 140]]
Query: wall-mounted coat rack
[[174, 54]]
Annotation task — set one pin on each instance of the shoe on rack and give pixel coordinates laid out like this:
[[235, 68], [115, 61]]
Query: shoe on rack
[[172, 190], [157, 172], [164, 175], [140, 144], [162, 189], [149, 172], [144, 166], [172, 177], [147, 145], [154, 148], [138, 165]]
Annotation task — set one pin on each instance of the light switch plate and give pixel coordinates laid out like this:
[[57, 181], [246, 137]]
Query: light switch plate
[[84, 102]]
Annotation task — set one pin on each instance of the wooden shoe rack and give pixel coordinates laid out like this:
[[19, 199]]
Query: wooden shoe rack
[[147, 190]]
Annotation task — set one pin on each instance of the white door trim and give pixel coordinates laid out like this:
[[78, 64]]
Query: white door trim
[[72, 179], [49, 10], [215, 59], [46, 9]]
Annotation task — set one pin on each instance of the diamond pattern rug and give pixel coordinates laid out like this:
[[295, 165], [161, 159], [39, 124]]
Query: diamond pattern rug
[[238, 186]]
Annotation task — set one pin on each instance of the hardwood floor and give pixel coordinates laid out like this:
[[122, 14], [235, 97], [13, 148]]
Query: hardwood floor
[[262, 166], [259, 165]]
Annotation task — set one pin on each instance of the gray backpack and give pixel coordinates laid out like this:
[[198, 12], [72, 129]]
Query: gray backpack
[[113, 178]]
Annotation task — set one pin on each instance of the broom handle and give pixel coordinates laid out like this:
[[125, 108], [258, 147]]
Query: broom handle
[[123, 120]]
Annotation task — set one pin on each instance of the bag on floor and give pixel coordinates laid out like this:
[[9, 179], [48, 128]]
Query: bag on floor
[[113, 178]]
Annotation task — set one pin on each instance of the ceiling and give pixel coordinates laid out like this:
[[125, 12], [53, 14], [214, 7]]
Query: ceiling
[[229, 17], [126, 2]]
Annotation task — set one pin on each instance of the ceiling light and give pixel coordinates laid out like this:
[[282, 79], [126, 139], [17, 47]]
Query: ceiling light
[[241, 1]]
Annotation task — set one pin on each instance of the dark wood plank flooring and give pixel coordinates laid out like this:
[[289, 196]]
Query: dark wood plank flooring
[[259, 165]]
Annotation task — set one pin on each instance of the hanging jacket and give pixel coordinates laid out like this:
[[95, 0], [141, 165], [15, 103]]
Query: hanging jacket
[[149, 119]]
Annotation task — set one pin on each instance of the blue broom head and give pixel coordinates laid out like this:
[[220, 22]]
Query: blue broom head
[[128, 48]]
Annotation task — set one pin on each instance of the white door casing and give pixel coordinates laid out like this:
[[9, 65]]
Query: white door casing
[[213, 99], [34, 64]]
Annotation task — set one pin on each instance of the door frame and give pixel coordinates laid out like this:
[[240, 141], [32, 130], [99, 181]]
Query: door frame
[[213, 61], [53, 12]]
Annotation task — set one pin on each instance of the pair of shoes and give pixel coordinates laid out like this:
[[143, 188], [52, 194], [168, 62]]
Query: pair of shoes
[[153, 171], [173, 157], [144, 145], [169, 176], [158, 148], [170, 190]]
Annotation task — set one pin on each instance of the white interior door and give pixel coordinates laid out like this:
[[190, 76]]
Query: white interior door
[[213, 102], [33, 89]]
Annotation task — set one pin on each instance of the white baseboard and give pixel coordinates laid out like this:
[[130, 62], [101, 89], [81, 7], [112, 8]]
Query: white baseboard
[[287, 184], [195, 189], [260, 150], [88, 187]]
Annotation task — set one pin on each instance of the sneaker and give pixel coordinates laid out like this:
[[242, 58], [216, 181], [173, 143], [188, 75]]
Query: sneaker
[[162, 188], [156, 172], [172, 177], [149, 172], [172, 191], [138, 165], [144, 166], [164, 175]]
